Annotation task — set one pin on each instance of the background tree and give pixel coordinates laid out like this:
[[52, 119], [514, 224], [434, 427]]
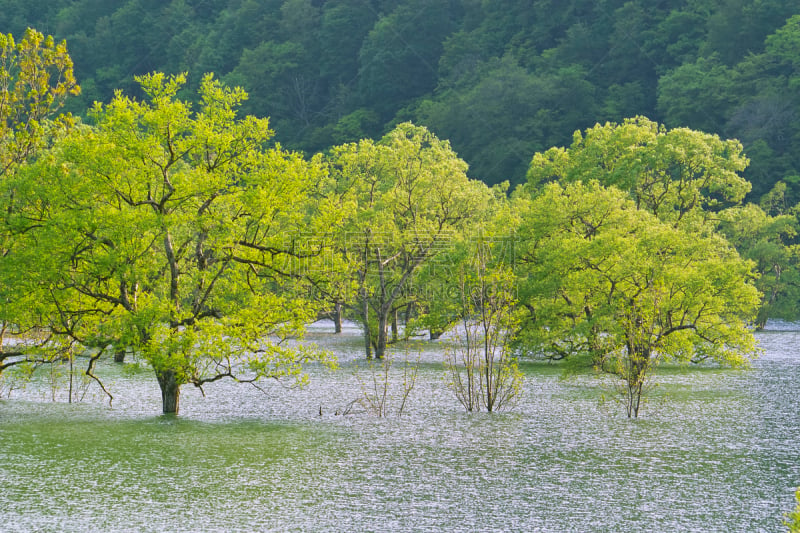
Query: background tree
[[541, 107], [699, 94], [437, 289], [720, 66], [768, 242], [178, 233], [343, 26], [36, 77], [399, 57], [410, 196]]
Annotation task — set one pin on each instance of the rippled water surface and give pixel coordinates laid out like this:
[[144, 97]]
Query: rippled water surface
[[715, 450]]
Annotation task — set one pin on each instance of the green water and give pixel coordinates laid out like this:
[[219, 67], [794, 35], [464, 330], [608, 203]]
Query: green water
[[716, 450]]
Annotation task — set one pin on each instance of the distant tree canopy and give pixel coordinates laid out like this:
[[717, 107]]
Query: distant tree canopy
[[499, 79]]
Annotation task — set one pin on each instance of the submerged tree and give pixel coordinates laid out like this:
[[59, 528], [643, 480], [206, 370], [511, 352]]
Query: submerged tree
[[613, 284], [409, 197], [438, 302], [36, 77], [482, 368], [178, 233], [768, 241], [635, 273]]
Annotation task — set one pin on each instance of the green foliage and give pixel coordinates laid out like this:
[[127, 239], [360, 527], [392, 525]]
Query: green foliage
[[343, 27], [499, 79], [161, 222], [767, 241], [698, 95], [407, 198], [793, 518], [398, 59], [505, 94], [482, 369], [36, 77], [276, 68], [176, 233], [603, 278], [679, 175], [737, 28], [784, 43], [487, 244]]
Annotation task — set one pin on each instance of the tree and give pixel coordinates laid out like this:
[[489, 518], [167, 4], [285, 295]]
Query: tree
[[765, 118], [482, 368], [767, 241], [698, 95], [726, 66], [519, 112], [737, 28], [487, 242], [36, 78], [343, 26], [179, 234], [784, 41], [690, 179], [612, 284], [409, 195], [680, 175]]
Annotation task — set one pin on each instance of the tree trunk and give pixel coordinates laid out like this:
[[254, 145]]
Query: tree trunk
[[636, 400], [337, 318], [364, 295], [367, 338], [380, 346], [637, 373], [170, 391], [488, 373], [394, 325]]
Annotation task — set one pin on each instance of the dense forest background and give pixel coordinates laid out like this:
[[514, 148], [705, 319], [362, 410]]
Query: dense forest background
[[500, 79]]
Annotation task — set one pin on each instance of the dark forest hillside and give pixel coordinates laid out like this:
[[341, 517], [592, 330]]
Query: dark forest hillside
[[501, 79]]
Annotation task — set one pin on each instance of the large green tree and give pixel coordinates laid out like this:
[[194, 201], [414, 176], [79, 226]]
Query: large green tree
[[36, 78], [177, 233], [692, 180], [612, 283]]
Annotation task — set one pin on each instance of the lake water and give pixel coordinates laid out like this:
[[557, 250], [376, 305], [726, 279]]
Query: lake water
[[714, 450]]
